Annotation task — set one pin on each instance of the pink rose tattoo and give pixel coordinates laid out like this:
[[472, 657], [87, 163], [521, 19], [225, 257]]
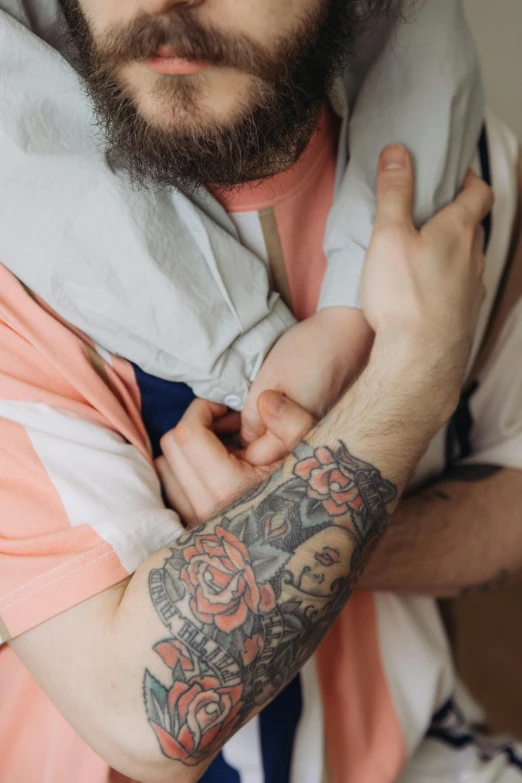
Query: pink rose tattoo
[[248, 597], [221, 581], [197, 712], [330, 475]]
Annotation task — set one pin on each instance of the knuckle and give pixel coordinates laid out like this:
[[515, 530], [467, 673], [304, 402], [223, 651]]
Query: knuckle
[[224, 496], [181, 435], [165, 442], [250, 420], [465, 222], [307, 424], [221, 496], [486, 193], [465, 235], [394, 186]]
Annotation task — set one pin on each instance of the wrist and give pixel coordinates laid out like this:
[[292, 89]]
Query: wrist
[[394, 409], [340, 319], [419, 376]]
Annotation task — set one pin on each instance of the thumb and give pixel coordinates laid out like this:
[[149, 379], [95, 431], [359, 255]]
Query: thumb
[[286, 425], [395, 187], [284, 419], [252, 426]]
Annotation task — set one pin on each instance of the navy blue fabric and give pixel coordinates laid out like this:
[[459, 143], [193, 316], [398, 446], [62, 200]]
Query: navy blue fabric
[[163, 403], [462, 423], [278, 726], [220, 772], [515, 760], [451, 728], [486, 176], [443, 712], [458, 434]]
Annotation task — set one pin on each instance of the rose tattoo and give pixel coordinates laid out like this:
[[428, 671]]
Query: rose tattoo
[[195, 713], [221, 581], [248, 597]]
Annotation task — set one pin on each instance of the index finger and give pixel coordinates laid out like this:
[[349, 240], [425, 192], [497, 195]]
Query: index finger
[[203, 413], [194, 435], [476, 197]]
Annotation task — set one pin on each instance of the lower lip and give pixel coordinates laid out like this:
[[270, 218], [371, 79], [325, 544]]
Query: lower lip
[[174, 66]]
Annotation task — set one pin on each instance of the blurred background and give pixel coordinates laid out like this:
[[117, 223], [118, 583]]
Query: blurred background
[[497, 25], [487, 628]]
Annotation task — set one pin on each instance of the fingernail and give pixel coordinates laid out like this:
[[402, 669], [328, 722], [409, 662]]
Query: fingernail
[[393, 157], [275, 404]]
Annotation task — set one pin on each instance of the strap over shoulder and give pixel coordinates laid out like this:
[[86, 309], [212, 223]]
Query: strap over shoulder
[[508, 292]]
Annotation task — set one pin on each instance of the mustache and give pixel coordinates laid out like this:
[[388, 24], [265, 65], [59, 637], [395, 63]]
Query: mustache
[[188, 39]]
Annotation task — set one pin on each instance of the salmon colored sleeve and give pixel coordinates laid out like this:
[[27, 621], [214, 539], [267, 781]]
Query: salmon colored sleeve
[[45, 565], [80, 502]]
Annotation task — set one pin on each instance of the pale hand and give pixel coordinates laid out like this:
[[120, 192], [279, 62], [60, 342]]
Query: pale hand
[[426, 287], [193, 450], [312, 364], [423, 288]]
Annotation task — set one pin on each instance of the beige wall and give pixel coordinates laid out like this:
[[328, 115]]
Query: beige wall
[[497, 25]]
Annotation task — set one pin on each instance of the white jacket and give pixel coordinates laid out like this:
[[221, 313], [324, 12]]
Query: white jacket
[[161, 278]]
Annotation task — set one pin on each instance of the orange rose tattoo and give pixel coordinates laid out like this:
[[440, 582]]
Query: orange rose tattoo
[[331, 479], [220, 578], [248, 597]]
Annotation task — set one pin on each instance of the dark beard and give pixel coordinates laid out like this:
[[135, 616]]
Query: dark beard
[[291, 89]]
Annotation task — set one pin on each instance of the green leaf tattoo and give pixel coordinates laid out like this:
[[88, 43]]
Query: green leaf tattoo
[[248, 597]]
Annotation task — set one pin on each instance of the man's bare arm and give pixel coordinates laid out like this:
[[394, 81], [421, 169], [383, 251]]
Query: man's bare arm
[[158, 672], [211, 629], [462, 533]]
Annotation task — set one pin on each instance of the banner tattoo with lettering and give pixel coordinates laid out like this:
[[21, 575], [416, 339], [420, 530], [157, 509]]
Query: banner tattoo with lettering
[[248, 597]]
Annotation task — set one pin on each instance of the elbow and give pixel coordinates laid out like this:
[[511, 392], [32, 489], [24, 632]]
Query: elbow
[[150, 767], [131, 749]]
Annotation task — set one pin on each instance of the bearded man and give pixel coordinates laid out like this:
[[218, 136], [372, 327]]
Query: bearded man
[[156, 653]]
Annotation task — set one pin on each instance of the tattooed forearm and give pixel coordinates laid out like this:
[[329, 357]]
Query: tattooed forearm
[[247, 598]]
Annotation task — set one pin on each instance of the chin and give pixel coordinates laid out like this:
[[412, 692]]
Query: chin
[[193, 104]]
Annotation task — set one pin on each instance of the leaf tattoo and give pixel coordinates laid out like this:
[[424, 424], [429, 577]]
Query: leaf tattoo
[[248, 597]]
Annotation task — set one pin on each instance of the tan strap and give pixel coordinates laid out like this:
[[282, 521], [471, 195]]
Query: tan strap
[[509, 290], [276, 257]]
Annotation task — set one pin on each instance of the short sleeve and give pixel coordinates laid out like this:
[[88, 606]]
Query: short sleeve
[[80, 502]]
